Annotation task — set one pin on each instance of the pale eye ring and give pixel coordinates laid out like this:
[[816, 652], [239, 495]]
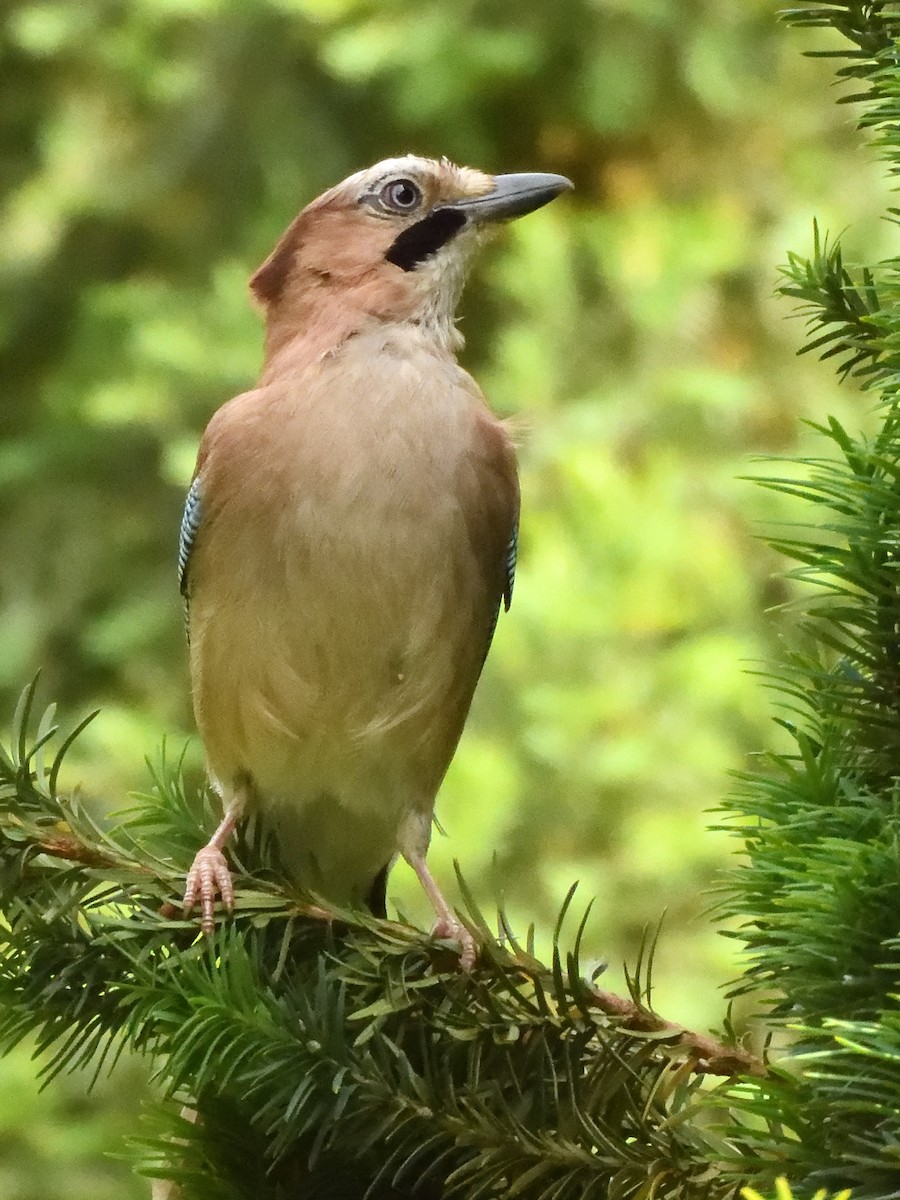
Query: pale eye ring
[[401, 195]]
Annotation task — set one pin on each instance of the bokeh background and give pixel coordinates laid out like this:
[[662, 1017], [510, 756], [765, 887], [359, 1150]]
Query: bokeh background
[[151, 151]]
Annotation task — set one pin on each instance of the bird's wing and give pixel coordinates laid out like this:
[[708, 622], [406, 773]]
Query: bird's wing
[[512, 552], [190, 524], [492, 506], [505, 599]]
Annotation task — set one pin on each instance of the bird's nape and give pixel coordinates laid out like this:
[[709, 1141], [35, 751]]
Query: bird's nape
[[376, 900]]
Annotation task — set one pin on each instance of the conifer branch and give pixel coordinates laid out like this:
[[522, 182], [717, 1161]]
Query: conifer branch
[[706, 1054], [296, 1034], [817, 900], [315, 1030]]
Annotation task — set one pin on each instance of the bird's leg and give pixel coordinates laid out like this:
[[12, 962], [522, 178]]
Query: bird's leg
[[209, 874], [447, 924]]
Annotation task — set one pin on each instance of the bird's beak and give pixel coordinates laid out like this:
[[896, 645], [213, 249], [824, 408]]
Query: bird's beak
[[512, 196]]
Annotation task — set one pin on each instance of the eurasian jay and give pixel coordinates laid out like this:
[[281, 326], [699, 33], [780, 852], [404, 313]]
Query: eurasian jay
[[350, 535]]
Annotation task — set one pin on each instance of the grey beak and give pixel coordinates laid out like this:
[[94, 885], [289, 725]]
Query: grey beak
[[512, 196]]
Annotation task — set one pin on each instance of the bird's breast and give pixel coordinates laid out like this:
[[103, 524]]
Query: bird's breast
[[339, 609]]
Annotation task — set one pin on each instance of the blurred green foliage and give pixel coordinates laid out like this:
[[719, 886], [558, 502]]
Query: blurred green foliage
[[151, 151]]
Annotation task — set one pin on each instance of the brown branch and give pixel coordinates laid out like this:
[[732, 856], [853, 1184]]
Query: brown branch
[[707, 1054], [75, 851], [710, 1056]]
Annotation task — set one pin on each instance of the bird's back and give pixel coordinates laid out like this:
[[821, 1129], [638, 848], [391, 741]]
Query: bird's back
[[344, 589]]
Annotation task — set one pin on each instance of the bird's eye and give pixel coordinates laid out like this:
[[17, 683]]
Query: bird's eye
[[401, 195]]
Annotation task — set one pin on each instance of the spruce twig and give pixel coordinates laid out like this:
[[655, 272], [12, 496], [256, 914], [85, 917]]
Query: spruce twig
[[816, 902], [312, 1030]]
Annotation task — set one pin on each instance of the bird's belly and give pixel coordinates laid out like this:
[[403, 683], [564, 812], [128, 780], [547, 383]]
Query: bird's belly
[[338, 677]]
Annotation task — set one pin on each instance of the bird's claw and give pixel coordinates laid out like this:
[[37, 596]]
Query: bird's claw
[[208, 877], [454, 931]]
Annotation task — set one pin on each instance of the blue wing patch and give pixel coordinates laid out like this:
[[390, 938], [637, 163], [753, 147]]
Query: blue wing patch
[[190, 523], [512, 551]]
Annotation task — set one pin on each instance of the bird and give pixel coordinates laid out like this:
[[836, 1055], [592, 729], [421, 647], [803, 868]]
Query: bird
[[349, 538]]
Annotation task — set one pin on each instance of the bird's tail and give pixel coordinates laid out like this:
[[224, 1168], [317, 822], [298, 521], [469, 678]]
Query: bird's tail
[[376, 898]]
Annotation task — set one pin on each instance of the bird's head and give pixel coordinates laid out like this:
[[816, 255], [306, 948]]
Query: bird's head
[[390, 243]]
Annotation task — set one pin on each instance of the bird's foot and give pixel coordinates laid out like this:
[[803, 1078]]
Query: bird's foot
[[454, 931], [208, 877]]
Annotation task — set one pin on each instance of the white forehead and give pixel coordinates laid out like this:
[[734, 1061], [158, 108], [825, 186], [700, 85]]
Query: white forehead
[[388, 168], [438, 178]]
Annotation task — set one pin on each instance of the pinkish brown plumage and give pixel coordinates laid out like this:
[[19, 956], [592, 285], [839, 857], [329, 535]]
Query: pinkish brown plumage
[[350, 536]]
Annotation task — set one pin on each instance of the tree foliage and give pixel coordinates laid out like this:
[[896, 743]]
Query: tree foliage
[[329, 1053], [818, 897], [154, 154]]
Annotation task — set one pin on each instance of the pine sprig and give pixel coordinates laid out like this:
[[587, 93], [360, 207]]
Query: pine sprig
[[314, 1034], [336, 1055], [843, 313], [816, 900], [816, 903]]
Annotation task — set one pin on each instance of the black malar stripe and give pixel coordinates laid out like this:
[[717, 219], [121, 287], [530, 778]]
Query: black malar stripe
[[425, 238]]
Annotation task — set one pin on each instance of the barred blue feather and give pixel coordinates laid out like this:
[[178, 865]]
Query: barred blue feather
[[190, 524], [512, 551]]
